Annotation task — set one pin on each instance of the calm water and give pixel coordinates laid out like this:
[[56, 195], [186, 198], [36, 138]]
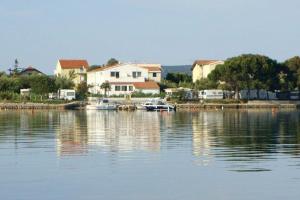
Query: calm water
[[152, 156]]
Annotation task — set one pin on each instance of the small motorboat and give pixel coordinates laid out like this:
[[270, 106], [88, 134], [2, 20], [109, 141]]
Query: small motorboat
[[102, 104], [158, 105]]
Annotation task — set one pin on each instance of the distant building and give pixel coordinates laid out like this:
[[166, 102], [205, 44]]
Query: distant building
[[76, 68], [125, 78], [30, 71], [201, 68]]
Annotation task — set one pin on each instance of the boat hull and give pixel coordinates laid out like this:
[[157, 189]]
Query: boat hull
[[97, 107], [160, 108]]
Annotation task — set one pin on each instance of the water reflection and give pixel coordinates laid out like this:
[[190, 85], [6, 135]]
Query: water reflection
[[71, 134], [245, 140], [124, 131]]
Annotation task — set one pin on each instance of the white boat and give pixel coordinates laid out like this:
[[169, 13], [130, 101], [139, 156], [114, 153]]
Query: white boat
[[102, 104], [157, 105]]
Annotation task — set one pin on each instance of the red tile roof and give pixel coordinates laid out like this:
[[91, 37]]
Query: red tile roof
[[153, 69], [150, 67], [121, 83], [104, 68], [139, 85], [146, 85], [73, 64], [204, 62]]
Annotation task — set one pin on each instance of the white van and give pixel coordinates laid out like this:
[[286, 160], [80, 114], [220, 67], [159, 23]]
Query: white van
[[211, 94], [66, 94]]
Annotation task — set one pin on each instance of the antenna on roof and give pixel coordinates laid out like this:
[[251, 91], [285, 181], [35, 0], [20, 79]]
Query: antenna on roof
[[16, 68]]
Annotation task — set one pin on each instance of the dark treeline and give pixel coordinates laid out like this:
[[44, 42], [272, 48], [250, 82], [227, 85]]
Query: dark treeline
[[247, 71], [41, 85], [250, 71]]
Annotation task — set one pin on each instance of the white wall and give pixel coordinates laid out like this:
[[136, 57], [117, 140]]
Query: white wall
[[96, 78]]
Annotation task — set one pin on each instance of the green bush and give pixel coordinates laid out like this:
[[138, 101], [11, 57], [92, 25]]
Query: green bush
[[9, 96]]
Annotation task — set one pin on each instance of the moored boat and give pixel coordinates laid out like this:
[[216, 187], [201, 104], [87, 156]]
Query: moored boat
[[158, 105], [102, 104]]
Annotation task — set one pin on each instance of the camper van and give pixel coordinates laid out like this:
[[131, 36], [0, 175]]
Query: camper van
[[211, 94], [66, 94]]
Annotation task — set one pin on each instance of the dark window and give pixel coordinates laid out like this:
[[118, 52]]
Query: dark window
[[124, 88], [136, 74], [154, 74], [130, 88], [117, 88], [115, 74]]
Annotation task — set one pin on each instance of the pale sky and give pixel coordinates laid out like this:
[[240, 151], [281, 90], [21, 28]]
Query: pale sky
[[169, 32]]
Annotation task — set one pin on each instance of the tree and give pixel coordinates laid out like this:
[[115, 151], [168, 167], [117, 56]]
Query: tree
[[41, 84], [112, 62], [62, 82], [293, 65], [2, 74], [106, 86], [205, 83], [179, 77], [82, 90], [248, 71]]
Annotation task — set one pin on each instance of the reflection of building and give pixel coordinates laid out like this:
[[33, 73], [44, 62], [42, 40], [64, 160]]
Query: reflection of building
[[204, 125], [124, 131], [71, 135]]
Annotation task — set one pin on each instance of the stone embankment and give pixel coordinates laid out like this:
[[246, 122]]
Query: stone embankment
[[249, 105], [39, 106]]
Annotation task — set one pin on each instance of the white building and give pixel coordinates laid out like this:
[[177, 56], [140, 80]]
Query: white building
[[202, 68], [125, 79]]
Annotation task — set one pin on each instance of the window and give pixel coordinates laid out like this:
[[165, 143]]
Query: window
[[130, 88], [117, 88], [154, 74], [115, 74], [70, 94], [136, 74], [124, 88]]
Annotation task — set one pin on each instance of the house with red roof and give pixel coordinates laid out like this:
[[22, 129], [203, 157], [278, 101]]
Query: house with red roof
[[201, 68], [30, 71], [74, 69], [125, 78]]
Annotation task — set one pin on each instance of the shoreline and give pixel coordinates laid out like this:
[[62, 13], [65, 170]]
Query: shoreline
[[180, 106], [199, 107], [39, 106]]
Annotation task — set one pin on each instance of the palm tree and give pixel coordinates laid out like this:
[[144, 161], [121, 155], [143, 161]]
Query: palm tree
[[106, 86]]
